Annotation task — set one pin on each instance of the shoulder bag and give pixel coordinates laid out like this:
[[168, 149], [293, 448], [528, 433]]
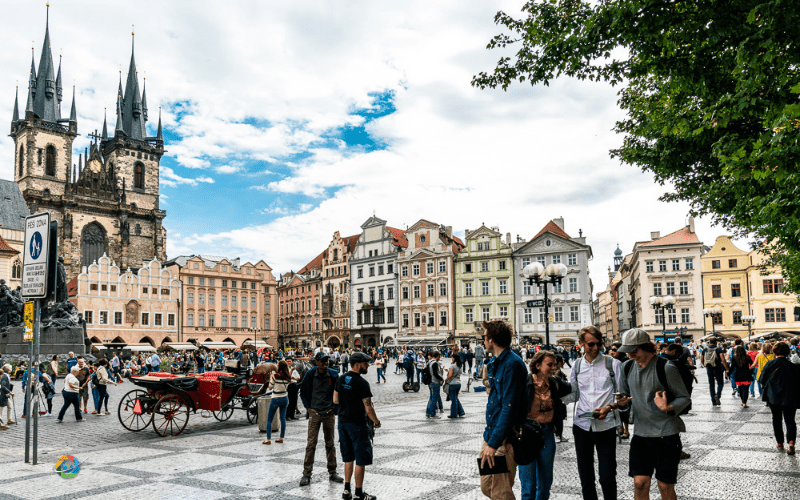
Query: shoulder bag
[[527, 441]]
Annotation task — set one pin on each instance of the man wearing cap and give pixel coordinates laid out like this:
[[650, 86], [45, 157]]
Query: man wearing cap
[[316, 393], [354, 397], [656, 443]]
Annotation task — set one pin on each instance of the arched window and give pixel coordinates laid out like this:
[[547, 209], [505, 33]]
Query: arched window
[[50, 161], [138, 176], [21, 160], [93, 243], [16, 270]]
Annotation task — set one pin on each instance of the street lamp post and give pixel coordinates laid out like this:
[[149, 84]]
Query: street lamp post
[[663, 304], [713, 313], [537, 274], [749, 320]]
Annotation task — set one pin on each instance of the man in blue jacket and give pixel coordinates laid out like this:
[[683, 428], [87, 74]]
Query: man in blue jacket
[[316, 393], [506, 407]]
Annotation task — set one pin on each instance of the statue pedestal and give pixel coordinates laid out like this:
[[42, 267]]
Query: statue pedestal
[[51, 341]]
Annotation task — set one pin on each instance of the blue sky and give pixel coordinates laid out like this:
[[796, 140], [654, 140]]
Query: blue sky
[[286, 122]]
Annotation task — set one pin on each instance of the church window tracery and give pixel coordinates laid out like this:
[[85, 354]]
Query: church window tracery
[[50, 161], [138, 176], [21, 159], [93, 243], [16, 270]]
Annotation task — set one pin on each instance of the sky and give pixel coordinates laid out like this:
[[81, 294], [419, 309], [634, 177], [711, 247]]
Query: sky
[[285, 122]]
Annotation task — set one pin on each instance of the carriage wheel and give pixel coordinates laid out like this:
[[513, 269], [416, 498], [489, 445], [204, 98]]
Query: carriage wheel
[[225, 413], [252, 411], [170, 415], [130, 420]]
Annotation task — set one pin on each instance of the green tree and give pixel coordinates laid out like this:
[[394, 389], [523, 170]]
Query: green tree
[[710, 90]]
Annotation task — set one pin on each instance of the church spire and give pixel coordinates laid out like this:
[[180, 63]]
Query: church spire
[[59, 92], [119, 129], [45, 101], [133, 120], [105, 126], [144, 99], [73, 114]]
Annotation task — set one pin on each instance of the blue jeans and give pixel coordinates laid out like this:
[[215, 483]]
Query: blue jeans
[[96, 398], [419, 375], [715, 375], [455, 405], [733, 382], [435, 400], [279, 405], [70, 399], [536, 478], [753, 385], [380, 374], [478, 366], [410, 375]]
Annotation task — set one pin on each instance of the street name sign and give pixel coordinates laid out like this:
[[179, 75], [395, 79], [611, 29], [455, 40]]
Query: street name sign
[[35, 260], [536, 303]]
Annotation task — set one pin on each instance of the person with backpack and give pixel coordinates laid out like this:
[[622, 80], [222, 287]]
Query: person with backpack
[[408, 366], [433, 375], [713, 358], [594, 381], [779, 379], [742, 373], [654, 388]]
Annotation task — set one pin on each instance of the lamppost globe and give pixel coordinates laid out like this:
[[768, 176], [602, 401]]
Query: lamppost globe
[[669, 300], [652, 301], [552, 271], [659, 300], [706, 311], [533, 270], [562, 269], [718, 310]]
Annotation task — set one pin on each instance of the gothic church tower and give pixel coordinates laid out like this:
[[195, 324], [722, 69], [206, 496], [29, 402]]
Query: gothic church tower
[[107, 203]]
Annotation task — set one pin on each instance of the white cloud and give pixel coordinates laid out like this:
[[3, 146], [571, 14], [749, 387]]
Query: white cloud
[[247, 85]]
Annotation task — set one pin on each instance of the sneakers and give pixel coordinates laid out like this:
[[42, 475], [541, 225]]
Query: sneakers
[[685, 456], [365, 496], [435, 416], [790, 448], [347, 495], [780, 446], [61, 421], [305, 481]]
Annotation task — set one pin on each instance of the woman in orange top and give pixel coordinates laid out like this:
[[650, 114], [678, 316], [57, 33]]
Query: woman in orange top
[[764, 357]]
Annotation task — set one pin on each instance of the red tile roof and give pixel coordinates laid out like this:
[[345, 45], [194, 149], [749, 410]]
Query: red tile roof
[[553, 228], [4, 247], [351, 242], [398, 237], [679, 237], [316, 263]]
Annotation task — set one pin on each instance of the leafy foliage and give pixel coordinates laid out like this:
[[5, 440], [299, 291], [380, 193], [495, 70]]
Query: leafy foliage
[[711, 89]]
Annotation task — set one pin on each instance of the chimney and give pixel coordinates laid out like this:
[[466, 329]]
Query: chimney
[[517, 238], [466, 234], [236, 262], [654, 235], [508, 238], [691, 225], [449, 231], [559, 222]]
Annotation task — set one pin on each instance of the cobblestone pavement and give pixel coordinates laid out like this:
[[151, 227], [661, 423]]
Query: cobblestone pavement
[[733, 456]]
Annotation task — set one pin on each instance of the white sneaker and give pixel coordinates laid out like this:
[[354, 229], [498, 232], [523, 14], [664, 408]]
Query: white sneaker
[[47, 415]]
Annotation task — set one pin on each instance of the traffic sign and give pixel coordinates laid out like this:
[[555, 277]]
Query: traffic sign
[[536, 303], [27, 332], [35, 260]]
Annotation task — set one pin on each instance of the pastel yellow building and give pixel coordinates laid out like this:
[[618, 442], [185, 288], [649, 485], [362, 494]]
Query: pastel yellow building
[[738, 283]]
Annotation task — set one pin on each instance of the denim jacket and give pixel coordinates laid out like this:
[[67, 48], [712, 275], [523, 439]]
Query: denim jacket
[[506, 405]]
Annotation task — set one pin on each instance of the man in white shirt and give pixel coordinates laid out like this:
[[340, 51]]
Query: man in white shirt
[[594, 379]]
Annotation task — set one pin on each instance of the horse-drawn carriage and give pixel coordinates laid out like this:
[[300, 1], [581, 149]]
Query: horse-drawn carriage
[[166, 400]]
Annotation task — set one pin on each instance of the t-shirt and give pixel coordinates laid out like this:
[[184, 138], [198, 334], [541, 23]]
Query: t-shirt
[[456, 378], [70, 379], [352, 390], [83, 374]]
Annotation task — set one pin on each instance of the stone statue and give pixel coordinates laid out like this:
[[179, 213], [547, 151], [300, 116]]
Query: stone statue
[[5, 304], [124, 230], [61, 281]]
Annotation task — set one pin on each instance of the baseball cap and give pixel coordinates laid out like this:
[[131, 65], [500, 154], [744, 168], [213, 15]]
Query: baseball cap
[[359, 357], [321, 356], [632, 339]]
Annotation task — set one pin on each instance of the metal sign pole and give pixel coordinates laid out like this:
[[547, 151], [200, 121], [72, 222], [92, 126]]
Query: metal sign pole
[[28, 391], [37, 310]]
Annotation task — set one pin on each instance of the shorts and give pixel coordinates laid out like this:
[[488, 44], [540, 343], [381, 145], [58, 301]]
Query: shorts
[[355, 444], [660, 453]]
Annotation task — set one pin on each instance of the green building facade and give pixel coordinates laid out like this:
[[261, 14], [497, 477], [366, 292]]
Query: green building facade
[[484, 282]]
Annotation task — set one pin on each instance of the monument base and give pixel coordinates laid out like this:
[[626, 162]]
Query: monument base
[[51, 341]]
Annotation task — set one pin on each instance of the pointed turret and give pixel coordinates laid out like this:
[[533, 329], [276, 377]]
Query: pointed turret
[[119, 128], [144, 99], [159, 135], [105, 126], [59, 91], [45, 101], [15, 116], [73, 114]]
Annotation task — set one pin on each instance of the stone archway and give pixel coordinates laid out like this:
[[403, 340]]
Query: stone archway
[[147, 340], [93, 243], [334, 342]]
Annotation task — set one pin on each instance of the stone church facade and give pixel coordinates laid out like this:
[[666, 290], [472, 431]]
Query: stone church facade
[[107, 203]]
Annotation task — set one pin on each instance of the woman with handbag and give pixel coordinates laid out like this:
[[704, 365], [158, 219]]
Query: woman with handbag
[[279, 385], [780, 380], [536, 478], [764, 357], [742, 374], [453, 383]]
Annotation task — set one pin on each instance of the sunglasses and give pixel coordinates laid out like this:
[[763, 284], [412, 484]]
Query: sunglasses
[[592, 344]]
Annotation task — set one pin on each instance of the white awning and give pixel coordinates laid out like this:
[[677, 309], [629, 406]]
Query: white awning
[[140, 348], [182, 346], [258, 344], [218, 345]]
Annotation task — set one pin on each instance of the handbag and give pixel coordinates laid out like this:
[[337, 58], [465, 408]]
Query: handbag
[[527, 440]]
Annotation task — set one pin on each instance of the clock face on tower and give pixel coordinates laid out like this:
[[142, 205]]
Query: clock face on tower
[[94, 165]]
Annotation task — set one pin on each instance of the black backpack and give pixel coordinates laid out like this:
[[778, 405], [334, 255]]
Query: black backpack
[[661, 373], [427, 377]]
